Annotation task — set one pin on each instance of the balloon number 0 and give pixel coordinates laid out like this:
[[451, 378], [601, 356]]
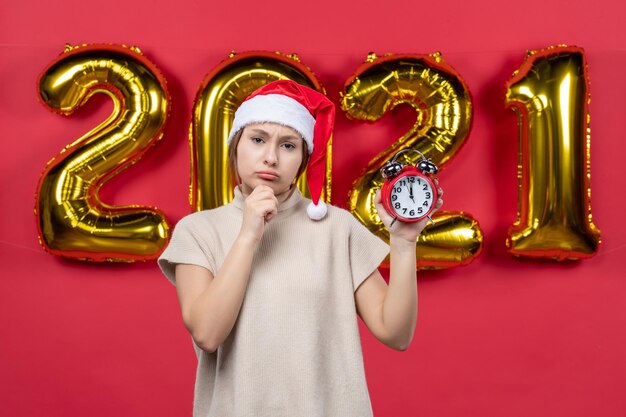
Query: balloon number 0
[[74, 223], [220, 94]]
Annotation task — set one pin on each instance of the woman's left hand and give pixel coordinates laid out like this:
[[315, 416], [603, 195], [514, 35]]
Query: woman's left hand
[[402, 230]]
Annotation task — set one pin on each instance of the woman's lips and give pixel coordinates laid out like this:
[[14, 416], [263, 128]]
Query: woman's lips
[[268, 175]]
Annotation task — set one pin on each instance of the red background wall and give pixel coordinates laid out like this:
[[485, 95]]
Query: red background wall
[[499, 337]]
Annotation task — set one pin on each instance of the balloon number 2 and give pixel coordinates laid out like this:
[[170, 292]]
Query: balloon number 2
[[74, 223], [444, 113], [72, 220]]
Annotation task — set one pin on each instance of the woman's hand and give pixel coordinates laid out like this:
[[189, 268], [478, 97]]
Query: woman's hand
[[260, 207], [405, 231]]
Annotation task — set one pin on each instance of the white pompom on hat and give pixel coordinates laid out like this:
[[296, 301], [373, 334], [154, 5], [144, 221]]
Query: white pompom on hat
[[308, 112]]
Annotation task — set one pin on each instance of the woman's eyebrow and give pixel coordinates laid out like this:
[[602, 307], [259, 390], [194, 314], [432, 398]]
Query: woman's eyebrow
[[261, 131], [289, 137], [284, 137]]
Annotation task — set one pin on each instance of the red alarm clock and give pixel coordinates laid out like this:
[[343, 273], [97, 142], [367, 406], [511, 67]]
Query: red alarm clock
[[408, 192]]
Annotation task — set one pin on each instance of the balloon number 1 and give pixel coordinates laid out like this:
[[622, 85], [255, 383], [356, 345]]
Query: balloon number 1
[[550, 94], [74, 223]]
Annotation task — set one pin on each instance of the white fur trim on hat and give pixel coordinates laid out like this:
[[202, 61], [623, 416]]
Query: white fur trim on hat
[[317, 212], [276, 108]]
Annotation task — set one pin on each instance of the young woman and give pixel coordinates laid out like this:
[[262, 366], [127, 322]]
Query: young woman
[[270, 284]]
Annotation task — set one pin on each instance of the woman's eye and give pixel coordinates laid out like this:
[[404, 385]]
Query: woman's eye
[[257, 140], [289, 146]]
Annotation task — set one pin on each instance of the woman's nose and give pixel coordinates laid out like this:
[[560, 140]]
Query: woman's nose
[[271, 158]]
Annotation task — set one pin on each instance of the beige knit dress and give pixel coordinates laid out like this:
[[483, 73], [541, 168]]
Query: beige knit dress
[[295, 349]]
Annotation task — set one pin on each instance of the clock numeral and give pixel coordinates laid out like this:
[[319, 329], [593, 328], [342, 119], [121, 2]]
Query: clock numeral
[[412, 213], [397, 189], [428, 195], [425, 187], [394, 197], [411, 179], [397, 205], [419, 210], [425, 204]]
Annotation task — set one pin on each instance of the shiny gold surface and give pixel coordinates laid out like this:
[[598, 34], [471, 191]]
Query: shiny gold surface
[[219, 96], [443, 106], [550, 95], [72, 220]]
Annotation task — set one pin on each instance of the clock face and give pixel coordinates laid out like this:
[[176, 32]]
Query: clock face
[[412, 197]]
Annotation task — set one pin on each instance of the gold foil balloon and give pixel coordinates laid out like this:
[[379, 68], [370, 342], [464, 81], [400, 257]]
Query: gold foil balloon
[[72, 220], [443, 106], [219, 96], [550, 95]]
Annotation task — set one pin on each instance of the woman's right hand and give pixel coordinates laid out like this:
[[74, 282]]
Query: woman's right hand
[[260, 207]]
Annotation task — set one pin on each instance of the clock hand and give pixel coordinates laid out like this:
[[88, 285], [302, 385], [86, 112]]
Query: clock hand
[[411, 193]]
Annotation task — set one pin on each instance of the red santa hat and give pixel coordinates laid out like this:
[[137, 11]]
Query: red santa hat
[[305, 110]]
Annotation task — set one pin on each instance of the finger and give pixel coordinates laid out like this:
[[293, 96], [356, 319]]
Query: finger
[[266, 205], [263, 195], [378, 202], [262, 190], [262, 187], [270, 214], [385, 217]]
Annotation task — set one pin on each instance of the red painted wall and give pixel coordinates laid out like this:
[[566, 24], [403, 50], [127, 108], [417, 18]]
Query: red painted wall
[[499, 337]]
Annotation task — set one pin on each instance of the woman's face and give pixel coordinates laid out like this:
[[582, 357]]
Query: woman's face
[[269, 154]]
